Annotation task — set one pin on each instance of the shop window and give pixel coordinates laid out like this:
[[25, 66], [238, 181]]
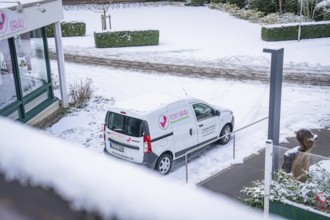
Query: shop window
[[7, 82], [31, 61]]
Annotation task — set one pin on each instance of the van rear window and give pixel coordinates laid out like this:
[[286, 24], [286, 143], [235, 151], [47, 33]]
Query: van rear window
[[126, 125]]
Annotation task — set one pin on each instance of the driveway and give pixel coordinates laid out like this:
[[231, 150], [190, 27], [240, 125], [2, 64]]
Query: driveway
[[232, 180]]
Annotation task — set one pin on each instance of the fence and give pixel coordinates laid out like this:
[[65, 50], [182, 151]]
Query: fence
[[234, 143], [300, 192]]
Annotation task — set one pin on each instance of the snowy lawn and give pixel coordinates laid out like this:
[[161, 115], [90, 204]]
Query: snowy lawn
[[198, 36]]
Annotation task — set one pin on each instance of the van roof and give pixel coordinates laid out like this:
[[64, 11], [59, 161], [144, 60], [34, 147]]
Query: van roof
[[147, 103]]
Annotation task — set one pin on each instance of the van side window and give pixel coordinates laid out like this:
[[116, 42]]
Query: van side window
[[203, 111]]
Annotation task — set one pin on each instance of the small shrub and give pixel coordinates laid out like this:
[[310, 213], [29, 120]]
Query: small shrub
[[81, 92], [55, 81]]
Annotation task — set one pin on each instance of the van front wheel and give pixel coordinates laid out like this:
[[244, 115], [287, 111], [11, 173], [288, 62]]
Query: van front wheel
[[164, 163], [226, 133]]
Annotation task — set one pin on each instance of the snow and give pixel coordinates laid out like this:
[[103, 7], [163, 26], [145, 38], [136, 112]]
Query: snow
[[188, 35], [196, 36], [192, 35], [296, 24], [112, 188]]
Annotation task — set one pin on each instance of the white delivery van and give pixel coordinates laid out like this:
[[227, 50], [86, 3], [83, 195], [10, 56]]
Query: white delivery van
[[156, 129]]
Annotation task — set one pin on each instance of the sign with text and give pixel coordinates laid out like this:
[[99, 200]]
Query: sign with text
[[11, 22]]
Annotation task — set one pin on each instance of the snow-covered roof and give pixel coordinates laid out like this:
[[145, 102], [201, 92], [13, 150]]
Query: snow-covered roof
[[95, 182]]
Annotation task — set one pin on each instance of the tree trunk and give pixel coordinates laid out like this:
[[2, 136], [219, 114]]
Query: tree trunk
[[104, 22]]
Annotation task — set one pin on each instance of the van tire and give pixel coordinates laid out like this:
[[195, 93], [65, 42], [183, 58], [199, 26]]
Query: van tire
[[164, 164], [225, 130]]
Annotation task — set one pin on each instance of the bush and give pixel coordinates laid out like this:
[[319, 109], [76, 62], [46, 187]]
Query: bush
[[322, 11], [69, 29], [197, 2], [276, 18], [290, 32], [81, 92], [326, 15], [291, 6], [266, 6], [239, 3], [285, 186], [126, 38], [250, 15], [217, 1]]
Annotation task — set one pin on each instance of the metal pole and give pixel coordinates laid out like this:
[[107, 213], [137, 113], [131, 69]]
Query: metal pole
[[268, 176], [109, 22], [299, 29], [186, 160], [60, 64], [234, 145], [275, 92]]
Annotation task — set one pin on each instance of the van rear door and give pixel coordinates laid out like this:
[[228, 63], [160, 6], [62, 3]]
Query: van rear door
[[124, 136]]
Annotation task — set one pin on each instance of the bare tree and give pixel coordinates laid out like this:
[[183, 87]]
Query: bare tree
[[100, 6]]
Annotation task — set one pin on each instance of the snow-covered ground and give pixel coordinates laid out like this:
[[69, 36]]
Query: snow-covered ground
[[192, 35], [198, 36]]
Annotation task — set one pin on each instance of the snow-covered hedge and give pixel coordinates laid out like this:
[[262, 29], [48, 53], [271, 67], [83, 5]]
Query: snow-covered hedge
[[290, 31], [69, 29], [126, 38]]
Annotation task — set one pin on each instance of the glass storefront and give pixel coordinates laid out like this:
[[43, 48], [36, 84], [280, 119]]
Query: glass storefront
[[25, 82], [7, 82], [31, 61]]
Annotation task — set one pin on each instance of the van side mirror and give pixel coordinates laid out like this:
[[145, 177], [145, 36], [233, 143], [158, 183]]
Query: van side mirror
[[217, 112]]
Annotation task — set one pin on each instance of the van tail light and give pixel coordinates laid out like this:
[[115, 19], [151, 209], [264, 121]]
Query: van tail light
[[104, 130], [146, 144]]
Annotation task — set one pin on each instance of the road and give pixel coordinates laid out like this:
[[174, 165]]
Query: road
[[303, 76]]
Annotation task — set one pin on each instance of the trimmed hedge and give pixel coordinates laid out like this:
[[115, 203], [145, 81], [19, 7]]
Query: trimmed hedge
[[69, 29], [290, 32], [126, 38]]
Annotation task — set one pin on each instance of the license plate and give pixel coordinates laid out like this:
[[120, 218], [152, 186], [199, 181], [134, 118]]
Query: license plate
[[117, 147]]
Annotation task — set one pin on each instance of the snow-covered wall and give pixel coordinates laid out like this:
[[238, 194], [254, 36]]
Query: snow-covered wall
[[92, 181]]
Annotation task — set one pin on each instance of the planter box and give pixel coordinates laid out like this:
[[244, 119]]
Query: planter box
[[292, 210]]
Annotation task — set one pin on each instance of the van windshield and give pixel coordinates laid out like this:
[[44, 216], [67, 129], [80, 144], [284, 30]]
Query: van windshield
[[126, 125]]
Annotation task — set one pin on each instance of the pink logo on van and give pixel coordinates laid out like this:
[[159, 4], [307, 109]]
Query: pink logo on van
[[163, 122], [128, 139]]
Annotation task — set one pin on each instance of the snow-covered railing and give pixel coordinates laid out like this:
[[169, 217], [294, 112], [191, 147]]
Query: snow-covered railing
[[111, 188], [233, 134]]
